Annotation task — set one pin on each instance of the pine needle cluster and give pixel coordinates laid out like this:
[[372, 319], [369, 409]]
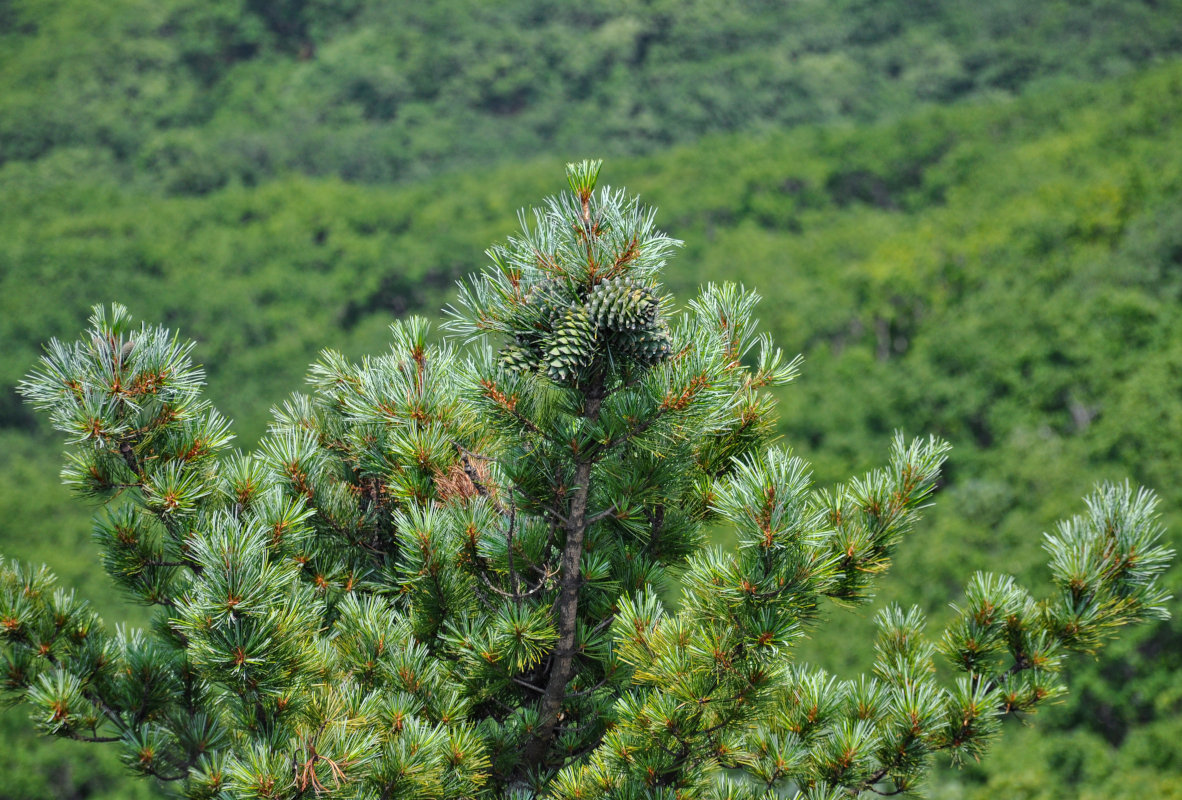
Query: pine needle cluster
[[478, 568]]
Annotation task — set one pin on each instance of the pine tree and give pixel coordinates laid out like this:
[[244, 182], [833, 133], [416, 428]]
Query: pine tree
[[452, 570]]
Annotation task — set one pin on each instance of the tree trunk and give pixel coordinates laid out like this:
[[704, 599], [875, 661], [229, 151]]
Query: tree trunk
[[562, 657]]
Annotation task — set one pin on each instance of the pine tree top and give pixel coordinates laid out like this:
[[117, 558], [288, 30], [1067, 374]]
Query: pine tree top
[[478, 568]]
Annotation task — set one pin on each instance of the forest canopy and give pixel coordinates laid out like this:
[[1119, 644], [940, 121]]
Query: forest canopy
[[963, 214]]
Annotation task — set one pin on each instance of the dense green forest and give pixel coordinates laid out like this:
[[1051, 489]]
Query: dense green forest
[[964, 214], [186, 96]]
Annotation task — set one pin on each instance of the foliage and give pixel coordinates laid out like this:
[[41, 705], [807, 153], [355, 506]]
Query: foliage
[[1015, 258], [438, 575], [188, 96]]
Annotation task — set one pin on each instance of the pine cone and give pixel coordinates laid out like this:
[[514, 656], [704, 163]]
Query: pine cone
[[519, 359], [649, 345], [572, 346], [546, 305], [620, 304]]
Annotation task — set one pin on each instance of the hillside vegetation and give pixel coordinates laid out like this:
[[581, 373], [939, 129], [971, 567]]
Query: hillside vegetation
[[1005, 272], [186, 96]]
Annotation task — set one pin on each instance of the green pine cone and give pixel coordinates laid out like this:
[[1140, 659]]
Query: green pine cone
[[620, 304], [519, 359], [546, 305], [572, 345], [649, 345]]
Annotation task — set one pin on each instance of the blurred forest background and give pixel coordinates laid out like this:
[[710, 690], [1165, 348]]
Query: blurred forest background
[[965, 213]]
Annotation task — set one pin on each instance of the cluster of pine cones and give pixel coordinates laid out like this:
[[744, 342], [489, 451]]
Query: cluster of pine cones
[[562, 337]]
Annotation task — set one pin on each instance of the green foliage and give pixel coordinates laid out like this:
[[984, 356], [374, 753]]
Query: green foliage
[[189, 96], [438, 575], [1014, 258], [65, 769]]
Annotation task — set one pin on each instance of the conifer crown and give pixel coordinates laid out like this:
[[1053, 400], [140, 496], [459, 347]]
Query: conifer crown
[[480, 570]]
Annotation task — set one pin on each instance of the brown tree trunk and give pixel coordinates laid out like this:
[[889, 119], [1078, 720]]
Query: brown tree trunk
[[562, 657]]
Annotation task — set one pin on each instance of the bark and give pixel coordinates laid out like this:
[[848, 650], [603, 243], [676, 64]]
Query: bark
[[562, 657]]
